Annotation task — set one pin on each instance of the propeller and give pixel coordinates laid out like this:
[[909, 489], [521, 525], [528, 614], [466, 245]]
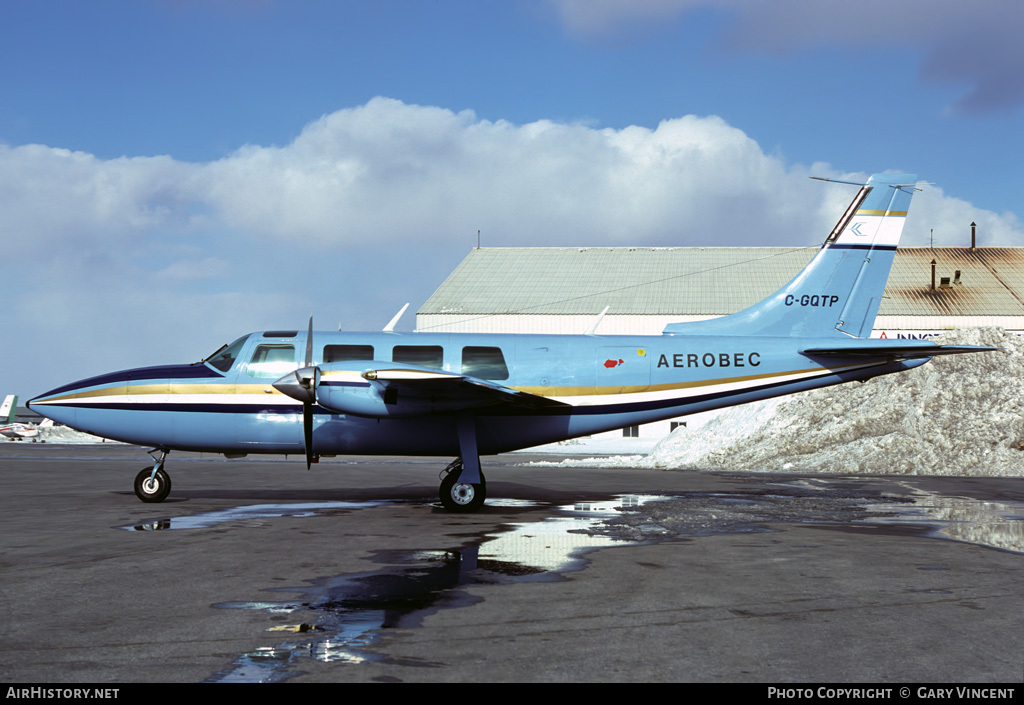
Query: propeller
[[301, 385]]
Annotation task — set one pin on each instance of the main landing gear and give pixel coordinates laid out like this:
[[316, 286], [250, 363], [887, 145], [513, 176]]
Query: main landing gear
[[461, 496], [153, 484], [463, 487]]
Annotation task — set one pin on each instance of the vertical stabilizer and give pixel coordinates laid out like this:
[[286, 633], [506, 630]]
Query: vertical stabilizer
[[9, 408], [871, 236], [839, 291]]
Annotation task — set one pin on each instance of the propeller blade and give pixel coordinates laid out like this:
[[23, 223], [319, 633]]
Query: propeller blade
[[307, 406], [309, 343], [307, 432], [301, 386]]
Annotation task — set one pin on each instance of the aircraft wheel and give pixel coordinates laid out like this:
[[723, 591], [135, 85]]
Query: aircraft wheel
[[155, 490], [462, 496]]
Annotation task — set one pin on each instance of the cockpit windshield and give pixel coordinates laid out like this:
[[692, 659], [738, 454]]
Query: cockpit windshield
[[225, 357]]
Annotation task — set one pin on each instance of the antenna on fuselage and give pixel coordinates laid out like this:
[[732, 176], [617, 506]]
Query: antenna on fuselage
[[390, 327], [597, 321]]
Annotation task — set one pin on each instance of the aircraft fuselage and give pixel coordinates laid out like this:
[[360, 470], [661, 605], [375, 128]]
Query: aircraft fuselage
[[601, 383]]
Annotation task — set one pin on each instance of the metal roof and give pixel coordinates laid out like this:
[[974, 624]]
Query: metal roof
[[711, 280], [991, 282]]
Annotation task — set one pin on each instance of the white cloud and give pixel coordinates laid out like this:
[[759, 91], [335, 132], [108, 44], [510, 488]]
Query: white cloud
[[389, 172], [951, 219], [386, 173], [50, 194]]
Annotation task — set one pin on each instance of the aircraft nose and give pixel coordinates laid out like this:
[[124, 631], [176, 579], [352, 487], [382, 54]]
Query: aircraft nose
[[65, 404], [61, 414]]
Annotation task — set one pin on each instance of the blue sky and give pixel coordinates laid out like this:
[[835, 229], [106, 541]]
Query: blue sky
[[174, 174]]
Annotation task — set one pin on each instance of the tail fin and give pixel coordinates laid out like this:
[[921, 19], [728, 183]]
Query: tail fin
[[8, 408], [840, 290]]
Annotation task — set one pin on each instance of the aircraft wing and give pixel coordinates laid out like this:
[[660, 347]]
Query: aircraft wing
[[911, 350], [462, 390], [400, 390]]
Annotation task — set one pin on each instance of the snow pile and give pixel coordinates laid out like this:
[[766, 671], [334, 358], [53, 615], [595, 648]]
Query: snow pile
[[956, 415], [63, 434]]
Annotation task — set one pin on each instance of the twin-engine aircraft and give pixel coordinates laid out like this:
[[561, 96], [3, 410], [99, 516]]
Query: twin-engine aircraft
[[462, 394]]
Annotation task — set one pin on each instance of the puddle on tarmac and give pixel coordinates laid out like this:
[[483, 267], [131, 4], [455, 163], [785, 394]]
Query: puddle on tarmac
[[981, 522], [249, 513], [994, 524], [694, 514], [338, 619]]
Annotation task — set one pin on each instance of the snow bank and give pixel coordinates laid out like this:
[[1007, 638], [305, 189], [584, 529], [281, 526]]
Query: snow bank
[[63, 434], [956, 415]]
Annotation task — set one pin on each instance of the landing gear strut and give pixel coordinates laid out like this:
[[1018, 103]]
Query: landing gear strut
[[461, 496], [463, 487], [153, 484]]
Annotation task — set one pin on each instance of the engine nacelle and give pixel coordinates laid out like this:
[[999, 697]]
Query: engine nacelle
[[387, 389]]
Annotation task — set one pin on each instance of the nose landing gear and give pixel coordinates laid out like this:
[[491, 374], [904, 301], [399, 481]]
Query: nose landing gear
[[153, 484]]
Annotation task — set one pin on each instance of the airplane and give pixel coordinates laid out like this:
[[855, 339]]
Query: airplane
[[467, 394], [15, 430]]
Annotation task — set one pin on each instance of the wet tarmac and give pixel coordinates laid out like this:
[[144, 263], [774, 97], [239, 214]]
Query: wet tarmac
[[257, 570]]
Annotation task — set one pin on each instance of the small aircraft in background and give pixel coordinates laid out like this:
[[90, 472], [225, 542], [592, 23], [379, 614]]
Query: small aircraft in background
[[463, 394], [15, 430]]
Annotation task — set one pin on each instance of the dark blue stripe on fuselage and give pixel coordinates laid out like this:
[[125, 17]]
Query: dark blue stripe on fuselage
[[192, 407], [140, 374]]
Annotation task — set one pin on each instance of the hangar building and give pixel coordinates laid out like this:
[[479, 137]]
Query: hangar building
[[564, 289]]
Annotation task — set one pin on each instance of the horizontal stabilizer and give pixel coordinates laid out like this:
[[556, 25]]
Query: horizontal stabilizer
[[917, 351]]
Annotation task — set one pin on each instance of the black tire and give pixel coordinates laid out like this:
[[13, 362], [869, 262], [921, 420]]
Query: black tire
[[155, 491], [462, 497]]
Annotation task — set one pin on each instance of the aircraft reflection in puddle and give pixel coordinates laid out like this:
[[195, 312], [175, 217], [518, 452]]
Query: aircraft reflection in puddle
[[341, 617]]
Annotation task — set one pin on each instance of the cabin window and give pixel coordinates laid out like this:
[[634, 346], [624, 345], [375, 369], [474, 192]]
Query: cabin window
[[485, 363], [224, 358], [631, 432], [272, 361], [420, 355], [342, 353]]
